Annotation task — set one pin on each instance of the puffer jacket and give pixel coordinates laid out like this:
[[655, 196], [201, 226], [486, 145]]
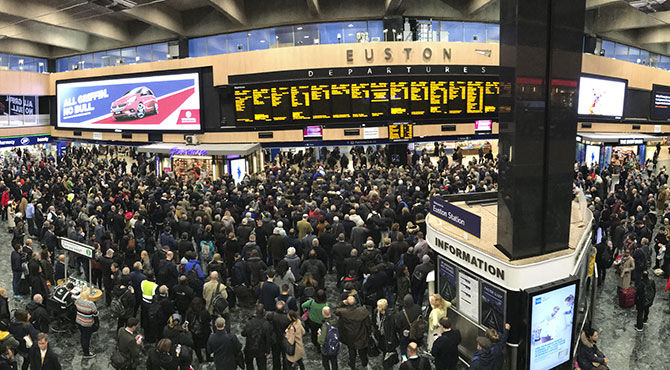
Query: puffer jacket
[[588, 353]]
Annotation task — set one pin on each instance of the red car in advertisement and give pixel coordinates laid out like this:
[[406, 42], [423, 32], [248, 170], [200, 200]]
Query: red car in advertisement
[[135, 104]]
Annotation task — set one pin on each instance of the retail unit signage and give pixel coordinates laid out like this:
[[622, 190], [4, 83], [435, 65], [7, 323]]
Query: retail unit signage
[[180, 151], [631, 141], [462, 219], [167, 101], [24, 140]]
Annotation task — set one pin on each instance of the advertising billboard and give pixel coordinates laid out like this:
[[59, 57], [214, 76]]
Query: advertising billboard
[[552, 312], [601, 97], [660, 103], [165, 102]]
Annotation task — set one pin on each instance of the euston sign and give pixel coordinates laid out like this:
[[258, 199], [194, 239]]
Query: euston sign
[[462, 219], [427, 54]]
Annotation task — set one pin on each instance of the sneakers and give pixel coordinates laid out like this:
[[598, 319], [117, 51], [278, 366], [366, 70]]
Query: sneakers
[[638, 329], [89, 355]]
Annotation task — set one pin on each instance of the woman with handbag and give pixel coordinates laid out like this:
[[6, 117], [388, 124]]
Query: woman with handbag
[[293, 346]]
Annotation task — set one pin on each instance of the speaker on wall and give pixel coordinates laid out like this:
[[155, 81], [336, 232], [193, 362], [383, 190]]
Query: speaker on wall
[[448, 127], [586, 124], [155, 136], [126, 135], [265, 135]]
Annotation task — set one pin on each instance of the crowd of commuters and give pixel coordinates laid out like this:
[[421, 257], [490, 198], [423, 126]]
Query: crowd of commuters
[[631, 210], [176, 256]]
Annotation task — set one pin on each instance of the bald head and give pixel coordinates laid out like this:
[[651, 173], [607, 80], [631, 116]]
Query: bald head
[[214, 276], [411, 349]]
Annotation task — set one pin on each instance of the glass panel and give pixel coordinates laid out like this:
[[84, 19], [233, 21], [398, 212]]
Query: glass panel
[[330, 33], [356, 32], [664, 62], [261, 39], [306, 34], [86, 61], [284, 36], [4, 109], [129, 55], [40, 65], [633, 55], [4, 62], [159, 51], [26, 64], [217, 44], [608, 46], [73, 62], [144, 54], [376, 30], [237, 42], [653, 59], [644, 56], [493, 33], [14, 62], [621, 52], [15, 110], [428, 30], [61, 65], [29, 110], [197, 47], [99, 59], [474, 32], [451, 31]]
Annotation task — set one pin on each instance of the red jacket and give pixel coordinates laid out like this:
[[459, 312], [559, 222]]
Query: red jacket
[[5, 198], [667, 286]]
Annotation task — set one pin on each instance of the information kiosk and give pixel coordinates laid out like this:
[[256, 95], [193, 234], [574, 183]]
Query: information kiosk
[[85, 251]]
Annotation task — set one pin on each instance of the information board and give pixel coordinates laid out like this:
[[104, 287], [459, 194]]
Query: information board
[[660, 103], [468, 296], [493, 307], [368, 99], [401, 131]]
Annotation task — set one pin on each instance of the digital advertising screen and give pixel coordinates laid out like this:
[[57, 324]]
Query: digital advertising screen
[[312, 132], [483, 125], [165, 102], [660, 103], [552, 314], [366, 99], [601, 97]]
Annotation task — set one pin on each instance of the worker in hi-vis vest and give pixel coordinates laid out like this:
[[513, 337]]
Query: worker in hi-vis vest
[[148, 288]]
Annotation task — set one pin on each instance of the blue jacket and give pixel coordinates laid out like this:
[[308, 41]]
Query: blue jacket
[[194, 264], [498, 350], [482, 360]]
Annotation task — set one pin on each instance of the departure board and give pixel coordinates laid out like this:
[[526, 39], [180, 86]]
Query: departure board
[[362, 99]]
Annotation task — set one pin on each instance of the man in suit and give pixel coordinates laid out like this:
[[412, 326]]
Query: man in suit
[[223, 346], [41, 356]]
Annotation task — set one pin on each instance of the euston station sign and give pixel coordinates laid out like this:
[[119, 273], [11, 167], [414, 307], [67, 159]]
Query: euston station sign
[[462, 219]]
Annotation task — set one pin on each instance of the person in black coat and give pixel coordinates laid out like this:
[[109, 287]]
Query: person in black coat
[[39, 316], [499, 341], [17, 270], [403, 318], [588, 355], [4, 305], [279, 321], [445, 347], [223, 346], [48, 361], [259, 339], [7, 359]]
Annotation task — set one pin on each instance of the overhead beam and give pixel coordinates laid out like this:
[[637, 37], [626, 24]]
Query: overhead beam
[[159, 16], [656, 35], [232, 9], [594, 4], [22, 47], [40, 12], [477, 5], [392, 6], [314, 8], [624, 17], [45, 34]]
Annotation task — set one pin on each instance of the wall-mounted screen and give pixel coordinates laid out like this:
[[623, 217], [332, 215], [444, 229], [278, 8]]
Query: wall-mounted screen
[[552, 314], [165, 102], [366, 99], [483, 125], [601, 97], [312, 132], [660, 103]]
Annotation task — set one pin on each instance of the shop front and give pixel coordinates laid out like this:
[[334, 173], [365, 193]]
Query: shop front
[[206, 160], [617, 149]]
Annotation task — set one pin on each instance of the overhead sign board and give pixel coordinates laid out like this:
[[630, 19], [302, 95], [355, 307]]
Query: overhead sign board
[[631, 141], [76, 247], [402, 131], [462, 219], [23, 140]]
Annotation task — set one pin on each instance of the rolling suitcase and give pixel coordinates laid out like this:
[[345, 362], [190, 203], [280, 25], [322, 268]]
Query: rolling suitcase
[[627, 297]]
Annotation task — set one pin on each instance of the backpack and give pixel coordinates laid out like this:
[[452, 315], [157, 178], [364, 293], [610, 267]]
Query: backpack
[[331, 347], [196, 327], [218, 303], [416, 328], [116, 308], [206, 249], [649, 293]]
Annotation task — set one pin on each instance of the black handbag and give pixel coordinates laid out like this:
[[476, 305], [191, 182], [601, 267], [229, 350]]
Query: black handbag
[[96, 323], [390, 359], [287, 347]]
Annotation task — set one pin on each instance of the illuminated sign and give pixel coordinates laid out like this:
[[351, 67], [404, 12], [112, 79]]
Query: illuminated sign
[[631, 141], [180, 151], [401, 131]]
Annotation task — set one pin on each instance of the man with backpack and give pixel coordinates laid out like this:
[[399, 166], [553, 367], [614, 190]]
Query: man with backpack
[[419, 284], [215, 295], [644, 297], [414, 361], [259, 340], [329, 340], [355, 328], [122, 304], [410, 324]]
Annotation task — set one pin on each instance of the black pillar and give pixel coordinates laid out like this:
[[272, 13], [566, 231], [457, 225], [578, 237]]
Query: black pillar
[[540, 64]]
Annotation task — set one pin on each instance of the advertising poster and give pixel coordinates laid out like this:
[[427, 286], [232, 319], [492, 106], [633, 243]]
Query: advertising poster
[[468, 296], [493, 307], [552, 315], [447, 280], [165, 103], [15, 105], [601, 97], [238, 169], [29, 105]]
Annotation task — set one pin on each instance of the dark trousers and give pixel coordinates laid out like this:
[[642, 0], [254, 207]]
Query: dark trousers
[[16, 282], [314, 332], [85, 339], [602, 271], [642, 315], [403, 342], [363, 353], [261, 361], [31, 227], [329, 362], [277, 356], [293, 365]]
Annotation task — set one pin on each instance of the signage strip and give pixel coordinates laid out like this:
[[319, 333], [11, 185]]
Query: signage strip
[[456, 216], [76, 247]]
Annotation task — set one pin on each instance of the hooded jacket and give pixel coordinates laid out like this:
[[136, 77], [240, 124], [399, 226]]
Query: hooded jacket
[[588, 353], [482, 360], [354, 326]]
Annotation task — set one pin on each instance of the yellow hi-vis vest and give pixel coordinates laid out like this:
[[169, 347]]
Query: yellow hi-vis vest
[[148, 290]]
